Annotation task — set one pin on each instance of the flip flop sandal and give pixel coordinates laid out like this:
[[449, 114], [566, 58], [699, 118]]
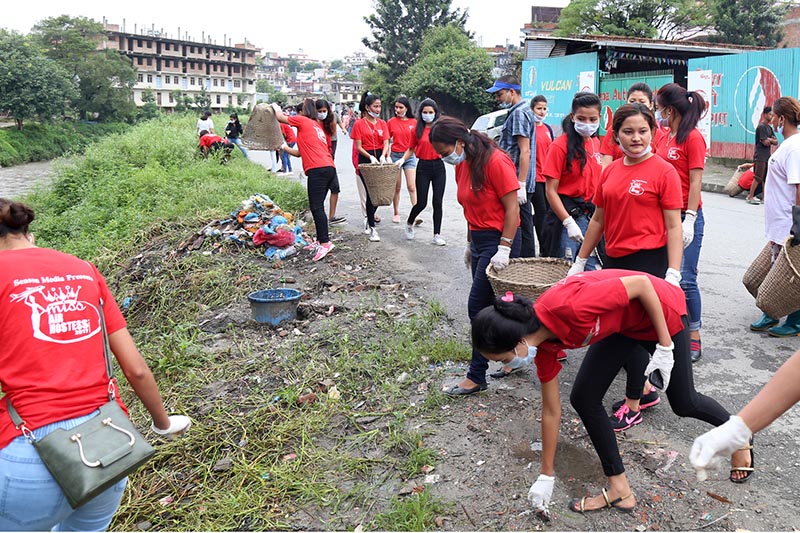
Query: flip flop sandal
[[504, 373], [749, 469], [455, 390], [579, 505]]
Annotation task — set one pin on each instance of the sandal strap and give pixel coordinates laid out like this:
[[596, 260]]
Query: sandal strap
[[583, 504], [742, 469], [747, 447], [616, 502], [605, 497]]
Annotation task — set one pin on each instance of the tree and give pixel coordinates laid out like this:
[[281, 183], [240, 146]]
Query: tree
[[68, 40], [293, 65], [31, 86], [747, 22], [397, 26], [202, 100], [336, 64], [452, 71], [309, 67], [150, 108], [663, 19]]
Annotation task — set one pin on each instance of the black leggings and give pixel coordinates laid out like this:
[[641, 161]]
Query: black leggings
[[601, 365], [368, 203], [320, 181], [429, 172], [540, 208]]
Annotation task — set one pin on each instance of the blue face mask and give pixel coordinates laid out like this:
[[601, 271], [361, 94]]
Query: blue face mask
[[454, 158], [322, 115], [661, 121], [519, 362]]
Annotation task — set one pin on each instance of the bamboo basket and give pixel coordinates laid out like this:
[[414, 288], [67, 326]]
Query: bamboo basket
[[779, 294], [758, 270], [380, 181], [529, 276], [262, 132]]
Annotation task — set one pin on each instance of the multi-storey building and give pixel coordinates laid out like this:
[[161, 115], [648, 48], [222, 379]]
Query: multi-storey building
[[166, 66]]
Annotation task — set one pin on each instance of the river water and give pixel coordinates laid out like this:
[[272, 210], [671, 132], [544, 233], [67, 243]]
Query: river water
[[20, 179]]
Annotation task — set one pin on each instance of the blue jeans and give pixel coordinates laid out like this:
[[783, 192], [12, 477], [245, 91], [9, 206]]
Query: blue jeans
[[691, 256], [31, 500], [483, 245], [238, 142], [286, 160], [574, 246]]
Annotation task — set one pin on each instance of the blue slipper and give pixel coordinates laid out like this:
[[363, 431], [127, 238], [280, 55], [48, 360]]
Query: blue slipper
[[455, 390]]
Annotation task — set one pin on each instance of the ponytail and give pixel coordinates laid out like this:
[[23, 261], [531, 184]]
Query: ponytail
[[499, 327]]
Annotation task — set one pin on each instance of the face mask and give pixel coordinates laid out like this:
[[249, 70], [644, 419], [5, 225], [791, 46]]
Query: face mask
[[660, 120], [636, 156], [401, 115], [519, 362], [373, 115], [454, 158], [537, 118], [322, 115], [428, 117], [504, 105], [586, 129]]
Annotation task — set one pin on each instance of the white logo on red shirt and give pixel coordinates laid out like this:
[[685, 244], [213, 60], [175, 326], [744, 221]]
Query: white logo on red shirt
[[673, 153], [592, 333], [57, 315], [637, 187], [320, 134]]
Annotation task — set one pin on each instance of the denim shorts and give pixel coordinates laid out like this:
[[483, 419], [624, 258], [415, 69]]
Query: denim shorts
[[409, 164]]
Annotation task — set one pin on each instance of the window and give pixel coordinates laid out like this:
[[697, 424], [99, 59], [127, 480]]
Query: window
[[141, 78], [149, 44], [149, 78], [139, 43], [149, 61], [237, 83], [216, 83], [139, 61], [175, 80], [171, 99], [218, 99], [191, 81]]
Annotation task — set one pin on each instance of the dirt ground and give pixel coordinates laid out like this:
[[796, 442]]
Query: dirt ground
[[487, 444]]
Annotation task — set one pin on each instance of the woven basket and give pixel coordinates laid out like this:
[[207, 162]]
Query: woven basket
[[529, 276], [779, 294], [732, 188], [381, 181], [262, 132], [758, 270]]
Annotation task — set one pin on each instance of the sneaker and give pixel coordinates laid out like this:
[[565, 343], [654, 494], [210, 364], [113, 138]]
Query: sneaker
[[648, 400], [396, 219], [438, 241], [695, 350], [367, 229], [623, 418], [322, 250], [754, 201], [337, 220], [764, 323], [409, 232], [373, 235]]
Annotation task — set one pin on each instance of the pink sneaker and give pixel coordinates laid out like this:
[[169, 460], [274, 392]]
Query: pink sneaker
[[323, 250], [624, 418]]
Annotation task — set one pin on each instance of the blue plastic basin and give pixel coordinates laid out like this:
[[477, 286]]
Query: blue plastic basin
[[273, 306]]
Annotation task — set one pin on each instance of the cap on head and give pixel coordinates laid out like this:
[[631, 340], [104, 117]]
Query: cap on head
[[500, 85]]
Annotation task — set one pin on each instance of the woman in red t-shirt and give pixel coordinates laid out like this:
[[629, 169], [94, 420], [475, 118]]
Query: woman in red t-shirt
[[685, 149], [571, 170], [616, 312], [544, 138], [638, 93], [313, 146], [486, 182], [327, 121], [52, 370], [401, 131], [638, 211], [371, 139]]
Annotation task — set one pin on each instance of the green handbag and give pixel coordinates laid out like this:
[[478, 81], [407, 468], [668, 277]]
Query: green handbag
[[91, 457]]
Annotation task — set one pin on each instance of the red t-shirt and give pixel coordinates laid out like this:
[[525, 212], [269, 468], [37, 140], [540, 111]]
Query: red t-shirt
[[402, 131], [590, 306], [634, 199], [610, 147], [423, 148], [328, 138], [288, 134], [209, 139], [572, 181], [543, 142], [312, 143], [684, 157], [371, 137], [746, 179], [483, 209], [51, 354]]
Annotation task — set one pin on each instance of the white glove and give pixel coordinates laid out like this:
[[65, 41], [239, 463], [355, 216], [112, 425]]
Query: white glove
[[578, 266], [673, 276], [400, 162], [688, 228], [276, 108], [500, 259], [373, 160], [522, 195], [284, 147], [178, 425], [662, 361], [573, 231], [722, 440], [541, 491], [468, 256], [385, 160]]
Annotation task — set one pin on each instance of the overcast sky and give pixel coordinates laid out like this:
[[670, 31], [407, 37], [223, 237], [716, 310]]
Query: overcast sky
[[285, 28]]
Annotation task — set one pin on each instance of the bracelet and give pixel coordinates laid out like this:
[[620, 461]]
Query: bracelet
[[506, 239], [690, 212]]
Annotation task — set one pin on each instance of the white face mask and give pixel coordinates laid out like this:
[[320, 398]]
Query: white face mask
[[537, 118], [401, 115], [322, 115], [660, 120], [454, 158], [373, 115], [636, 156], [428, 117], [586, 129], [519, 362]]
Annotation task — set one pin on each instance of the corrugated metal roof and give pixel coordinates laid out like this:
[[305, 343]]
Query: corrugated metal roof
[[610, 41]]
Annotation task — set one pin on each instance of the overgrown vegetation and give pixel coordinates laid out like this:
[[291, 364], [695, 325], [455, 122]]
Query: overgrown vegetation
[[257, 456]]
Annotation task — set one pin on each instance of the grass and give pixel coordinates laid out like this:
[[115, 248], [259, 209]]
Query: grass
[[38, 142], [254, 459]]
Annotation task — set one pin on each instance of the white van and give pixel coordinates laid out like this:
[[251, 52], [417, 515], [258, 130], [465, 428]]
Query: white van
[[491, 123]]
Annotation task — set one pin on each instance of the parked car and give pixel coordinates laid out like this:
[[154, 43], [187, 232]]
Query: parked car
[[491, 123]]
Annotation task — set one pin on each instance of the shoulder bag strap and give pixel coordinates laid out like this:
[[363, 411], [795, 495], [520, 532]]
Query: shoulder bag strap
[[107, 353]]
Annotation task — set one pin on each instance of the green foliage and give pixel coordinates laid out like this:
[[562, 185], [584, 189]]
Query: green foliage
[[452, 71], [31, 86], [396, 27], [293, 65], [202, 100], [126, 182], [748, 22], [416, 512], [68, 40], [150, 109], [39, 142], [336, 64], [664, 19], [309, 67]]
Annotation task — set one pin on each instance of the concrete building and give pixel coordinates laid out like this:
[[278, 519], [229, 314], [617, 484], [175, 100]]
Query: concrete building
[[166, 66]]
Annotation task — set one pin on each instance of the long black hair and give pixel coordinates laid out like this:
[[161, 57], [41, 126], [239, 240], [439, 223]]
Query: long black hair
[[308, 108], [478, 147], [499, 327], [428, 102], [404, 101], [575, 141], [367, 99], [329, 124], [688, 104]]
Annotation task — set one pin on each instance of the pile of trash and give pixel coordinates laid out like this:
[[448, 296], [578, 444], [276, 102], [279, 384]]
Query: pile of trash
[[256, 222]]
